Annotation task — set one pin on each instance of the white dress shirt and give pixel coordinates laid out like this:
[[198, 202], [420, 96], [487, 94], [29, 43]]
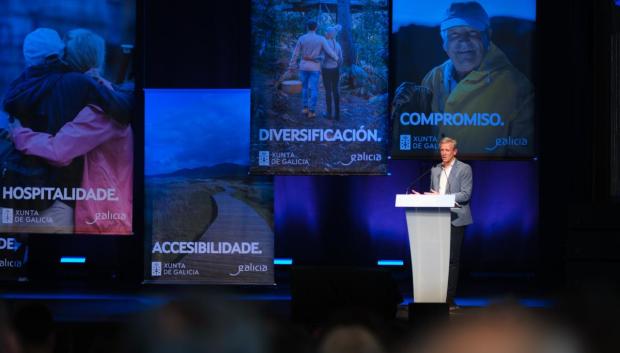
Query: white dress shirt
[[443, 177]]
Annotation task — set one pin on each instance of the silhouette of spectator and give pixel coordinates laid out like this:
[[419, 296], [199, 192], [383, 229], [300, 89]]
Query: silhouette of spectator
[[350, 339], [203, 324], [499, 329], [34, 326], [8, 340]]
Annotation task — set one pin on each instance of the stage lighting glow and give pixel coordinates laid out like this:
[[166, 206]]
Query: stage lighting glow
[[73, 260], [390, 263], [286, 262]]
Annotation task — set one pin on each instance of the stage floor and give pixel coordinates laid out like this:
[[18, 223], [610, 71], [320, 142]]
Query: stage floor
[[90, 306]]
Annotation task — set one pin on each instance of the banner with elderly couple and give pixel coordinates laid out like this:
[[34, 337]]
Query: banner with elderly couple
[[66, 142], [319, 83], [463, 70], [207, 220]]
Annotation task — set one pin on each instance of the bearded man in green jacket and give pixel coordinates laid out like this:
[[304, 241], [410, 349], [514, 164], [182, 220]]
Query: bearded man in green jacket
[[486, 103]]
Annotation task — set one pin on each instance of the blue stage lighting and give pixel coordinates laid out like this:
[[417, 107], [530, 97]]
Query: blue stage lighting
[[286, 262], [390, 263], [73, 260]]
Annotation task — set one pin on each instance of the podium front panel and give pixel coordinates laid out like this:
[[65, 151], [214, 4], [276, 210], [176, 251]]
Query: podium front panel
[[429, 241]]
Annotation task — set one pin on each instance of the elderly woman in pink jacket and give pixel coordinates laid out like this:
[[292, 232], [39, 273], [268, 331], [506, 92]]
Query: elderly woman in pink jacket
[[107, 147]]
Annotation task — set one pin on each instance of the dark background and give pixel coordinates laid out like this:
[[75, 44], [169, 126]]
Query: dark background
[[197, 44]]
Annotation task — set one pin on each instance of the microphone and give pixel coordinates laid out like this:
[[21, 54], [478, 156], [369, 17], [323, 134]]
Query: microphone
[[416, 180]]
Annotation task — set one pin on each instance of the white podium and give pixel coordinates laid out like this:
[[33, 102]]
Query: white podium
[[428, 225]]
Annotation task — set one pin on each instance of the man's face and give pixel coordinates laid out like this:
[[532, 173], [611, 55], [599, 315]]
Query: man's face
[[465, 49], [447, 152]]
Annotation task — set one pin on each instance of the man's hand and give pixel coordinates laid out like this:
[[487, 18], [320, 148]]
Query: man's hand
[[309, 58], [94, 73], [403, 94], [432, 192], [412, 97]]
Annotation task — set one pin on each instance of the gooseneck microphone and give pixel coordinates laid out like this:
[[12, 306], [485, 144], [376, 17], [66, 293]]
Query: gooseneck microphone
[[416, 180]]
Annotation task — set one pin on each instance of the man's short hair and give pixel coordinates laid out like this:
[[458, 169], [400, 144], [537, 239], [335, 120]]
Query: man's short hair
[[448, 140], [311, 25]]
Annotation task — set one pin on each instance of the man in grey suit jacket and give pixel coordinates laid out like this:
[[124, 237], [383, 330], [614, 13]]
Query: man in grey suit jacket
[[452, 176]]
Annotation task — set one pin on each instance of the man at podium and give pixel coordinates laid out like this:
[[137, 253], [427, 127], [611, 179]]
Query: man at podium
[[452, 176]]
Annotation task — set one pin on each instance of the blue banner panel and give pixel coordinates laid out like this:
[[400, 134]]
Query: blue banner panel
[[207, 220], [464, 70], [66, 138], [319, 87], [13, 255]]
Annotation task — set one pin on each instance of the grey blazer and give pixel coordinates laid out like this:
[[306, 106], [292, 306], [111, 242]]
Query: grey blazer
[[460, 184]]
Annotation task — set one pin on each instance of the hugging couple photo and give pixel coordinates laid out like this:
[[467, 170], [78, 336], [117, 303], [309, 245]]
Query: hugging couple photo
[[68, 130]]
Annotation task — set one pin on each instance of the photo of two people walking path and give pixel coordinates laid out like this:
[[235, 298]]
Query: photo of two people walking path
[[320, 65]]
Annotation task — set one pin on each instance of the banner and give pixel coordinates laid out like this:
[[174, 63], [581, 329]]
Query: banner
[[13, 255], [319, 87], [463, 70], [66, 142], [207, 221]]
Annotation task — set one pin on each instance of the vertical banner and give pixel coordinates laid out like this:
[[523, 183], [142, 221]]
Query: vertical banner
[[463, 70], [207, 220], [319, 87], [13, 255], [66, 142]]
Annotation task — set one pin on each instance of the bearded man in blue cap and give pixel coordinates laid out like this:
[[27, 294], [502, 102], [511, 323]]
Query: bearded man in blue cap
[[479, 78]]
